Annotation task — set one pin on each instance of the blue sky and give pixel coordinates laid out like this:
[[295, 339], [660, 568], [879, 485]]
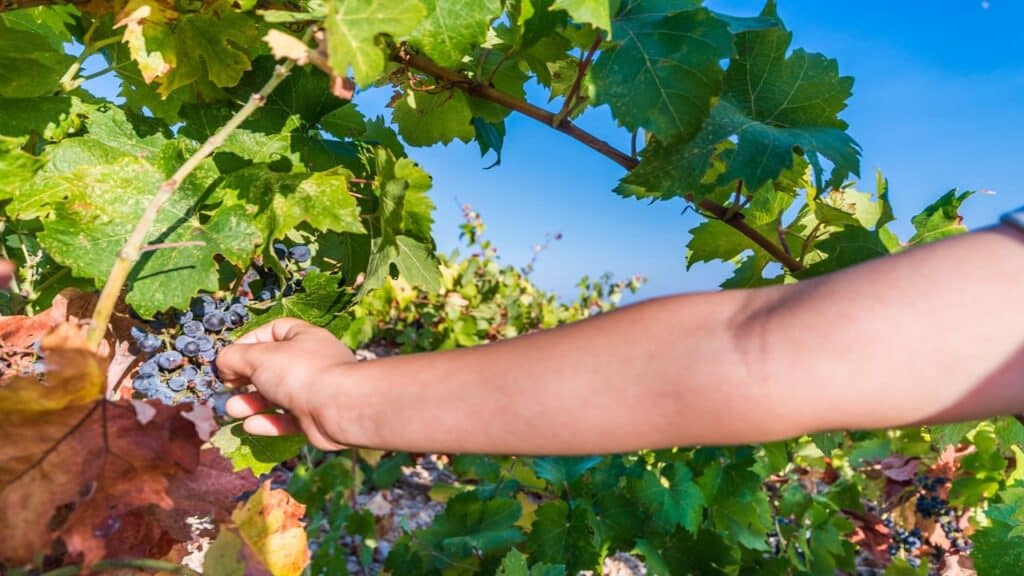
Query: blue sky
[[938, 103]]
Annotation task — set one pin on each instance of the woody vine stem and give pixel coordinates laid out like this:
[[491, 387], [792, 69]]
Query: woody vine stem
[[133, 247]]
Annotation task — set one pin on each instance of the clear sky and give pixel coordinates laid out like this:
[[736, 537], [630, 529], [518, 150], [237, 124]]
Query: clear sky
[[938, 103]]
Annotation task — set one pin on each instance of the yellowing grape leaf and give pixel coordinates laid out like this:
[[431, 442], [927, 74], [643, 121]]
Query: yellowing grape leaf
[[88, 472], [211, 48], [267, 536]]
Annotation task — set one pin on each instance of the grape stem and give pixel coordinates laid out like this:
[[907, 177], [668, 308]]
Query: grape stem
[[133, 247]]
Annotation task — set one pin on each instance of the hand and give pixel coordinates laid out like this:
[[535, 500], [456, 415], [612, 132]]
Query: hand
[[294, 366]]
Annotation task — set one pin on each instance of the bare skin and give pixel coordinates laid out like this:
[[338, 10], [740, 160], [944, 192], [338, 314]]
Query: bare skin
[[934, 334]]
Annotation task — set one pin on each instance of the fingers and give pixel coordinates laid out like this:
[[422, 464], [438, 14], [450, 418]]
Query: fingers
[[245, 405], [272, 425], [276, 331]]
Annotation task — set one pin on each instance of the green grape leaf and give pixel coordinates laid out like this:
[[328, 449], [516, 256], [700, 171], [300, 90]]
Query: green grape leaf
[[52, 117], [352, 28], [16, 166], [470, 526], [489, 136], [51, 22], [426, 119], [277, 203], [559, 471], [560, 536], [665, 72], [30, 65], [214, 45], [453, 28], [619, 518], [776, 106], [940, 219], [414, 260], [320, 302], [257, 453], [514, 564], [845, 248], [675, 500], [596, 12], [103, 204], [344, 122], [737, 507]]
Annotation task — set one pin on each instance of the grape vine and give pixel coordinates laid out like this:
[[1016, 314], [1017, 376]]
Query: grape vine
[[234, 180]]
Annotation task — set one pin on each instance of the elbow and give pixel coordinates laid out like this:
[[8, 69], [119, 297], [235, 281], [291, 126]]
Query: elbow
[[767, 371]]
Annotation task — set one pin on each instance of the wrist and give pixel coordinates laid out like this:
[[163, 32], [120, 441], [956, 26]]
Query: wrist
[[345, 409]]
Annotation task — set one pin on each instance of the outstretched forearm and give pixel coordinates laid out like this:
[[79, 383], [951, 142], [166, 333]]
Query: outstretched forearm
[[936, 333]]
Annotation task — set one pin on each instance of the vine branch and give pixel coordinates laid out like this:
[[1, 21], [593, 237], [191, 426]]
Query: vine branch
[[133, 247], [569, 105], [422, 64]]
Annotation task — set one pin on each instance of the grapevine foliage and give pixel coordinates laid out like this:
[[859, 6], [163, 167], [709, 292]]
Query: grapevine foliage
[[299, 205]]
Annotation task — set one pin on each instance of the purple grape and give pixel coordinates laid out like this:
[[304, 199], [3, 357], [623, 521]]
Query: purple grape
[[233, 319], [208, 355], [189, 372], [149, 368], [299, 253], [185, 318], [177, 384], [280, 250], [137, 334], [192, 328], [205, 343], [170, 360], [191, 348], [146, 384], [151, 344], [214, 321]]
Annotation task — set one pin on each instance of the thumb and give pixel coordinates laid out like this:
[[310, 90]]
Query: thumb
[[238, 363]]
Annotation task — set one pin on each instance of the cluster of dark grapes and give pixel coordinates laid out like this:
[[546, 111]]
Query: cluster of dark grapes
[[906, 542], [181, 351], [931, 505], [295, 260]]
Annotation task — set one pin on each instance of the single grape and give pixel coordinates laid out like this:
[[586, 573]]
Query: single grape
[[239, 308], [208, 355], [280, 250], [205, 343], [177, 383], [164, 395], [146, 384], [189, 372], [191, 348], [151, 343], [170, 360], [192, 328], [204, 304], [149, 368], [137, 334], [233, 319], [214, 321], [266, 294], [203, 385], [185, 318], [299, 253], [240, 301]]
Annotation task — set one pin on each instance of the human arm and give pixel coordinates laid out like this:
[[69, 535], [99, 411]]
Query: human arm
[[933, 334]]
